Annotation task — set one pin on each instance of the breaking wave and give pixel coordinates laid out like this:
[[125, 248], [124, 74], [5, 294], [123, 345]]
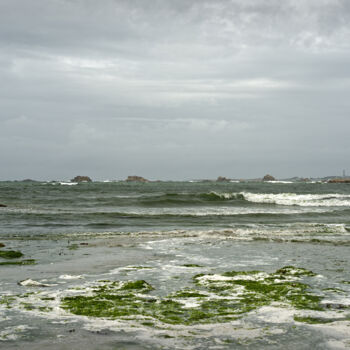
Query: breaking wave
[[304, 200]]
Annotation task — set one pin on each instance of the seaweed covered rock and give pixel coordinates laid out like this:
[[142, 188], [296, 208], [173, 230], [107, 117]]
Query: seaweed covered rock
[[80, 178]]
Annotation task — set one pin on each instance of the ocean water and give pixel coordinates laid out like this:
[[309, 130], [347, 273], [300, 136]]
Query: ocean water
[[175, 265]]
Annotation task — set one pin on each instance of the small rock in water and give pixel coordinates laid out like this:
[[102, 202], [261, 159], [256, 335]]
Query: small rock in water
[[3, 206], [2, 245]]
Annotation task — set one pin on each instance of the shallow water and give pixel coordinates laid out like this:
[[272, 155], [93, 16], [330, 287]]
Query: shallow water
[[88, 237]]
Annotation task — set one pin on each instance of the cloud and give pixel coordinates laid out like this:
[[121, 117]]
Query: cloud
[[136, 85]]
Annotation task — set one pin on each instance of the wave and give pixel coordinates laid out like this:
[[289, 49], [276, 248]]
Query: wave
[[288, 199], [292, 232], [304, 200], [265, 230], [125, 198], [279, 182], [315, 233], [161, 212]]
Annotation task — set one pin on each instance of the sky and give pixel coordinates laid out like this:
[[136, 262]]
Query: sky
[[185, 89]]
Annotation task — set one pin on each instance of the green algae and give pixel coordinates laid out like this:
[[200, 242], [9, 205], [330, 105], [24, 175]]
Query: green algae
[[240, 273], [294, 271], [73, 247], [7, 300], [140, 285], [28, 306], [218, 298], [313, 320], [45, 308], [20, 262], [334, 290], [10, 254], [188, 294], [192, 265]]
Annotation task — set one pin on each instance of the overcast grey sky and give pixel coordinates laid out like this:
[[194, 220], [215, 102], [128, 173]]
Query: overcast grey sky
[[174, 89]]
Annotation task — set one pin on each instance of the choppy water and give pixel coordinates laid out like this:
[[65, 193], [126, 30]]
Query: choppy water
[[165, 233]]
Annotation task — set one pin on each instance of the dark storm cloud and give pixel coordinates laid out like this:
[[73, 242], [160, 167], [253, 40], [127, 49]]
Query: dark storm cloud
[[174, 89]]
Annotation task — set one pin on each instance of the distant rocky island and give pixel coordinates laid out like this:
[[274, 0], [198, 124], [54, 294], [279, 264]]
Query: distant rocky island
[[223, 179], [339, 181], [135, 178], [219, 179], [81, 178], [268, 177]]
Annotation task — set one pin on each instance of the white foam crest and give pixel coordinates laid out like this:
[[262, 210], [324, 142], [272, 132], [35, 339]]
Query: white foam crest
[[225, 195], [219, 211], [304, 200], [68, 183], [263, 230], [31, 283], [71, 277], [280, 182]]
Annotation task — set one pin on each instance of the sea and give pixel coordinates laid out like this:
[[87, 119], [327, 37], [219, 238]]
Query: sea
[[174, 265]]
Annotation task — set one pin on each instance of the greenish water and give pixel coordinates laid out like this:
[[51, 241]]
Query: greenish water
[[174, 265]]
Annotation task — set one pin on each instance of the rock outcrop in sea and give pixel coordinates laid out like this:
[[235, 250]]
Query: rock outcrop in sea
[[80, 178], [268, 177], [339, 181], [135, 178], [222, 179]]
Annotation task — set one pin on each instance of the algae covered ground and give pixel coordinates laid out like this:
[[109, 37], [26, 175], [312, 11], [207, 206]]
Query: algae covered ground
[[167, 303], [213, 299]]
